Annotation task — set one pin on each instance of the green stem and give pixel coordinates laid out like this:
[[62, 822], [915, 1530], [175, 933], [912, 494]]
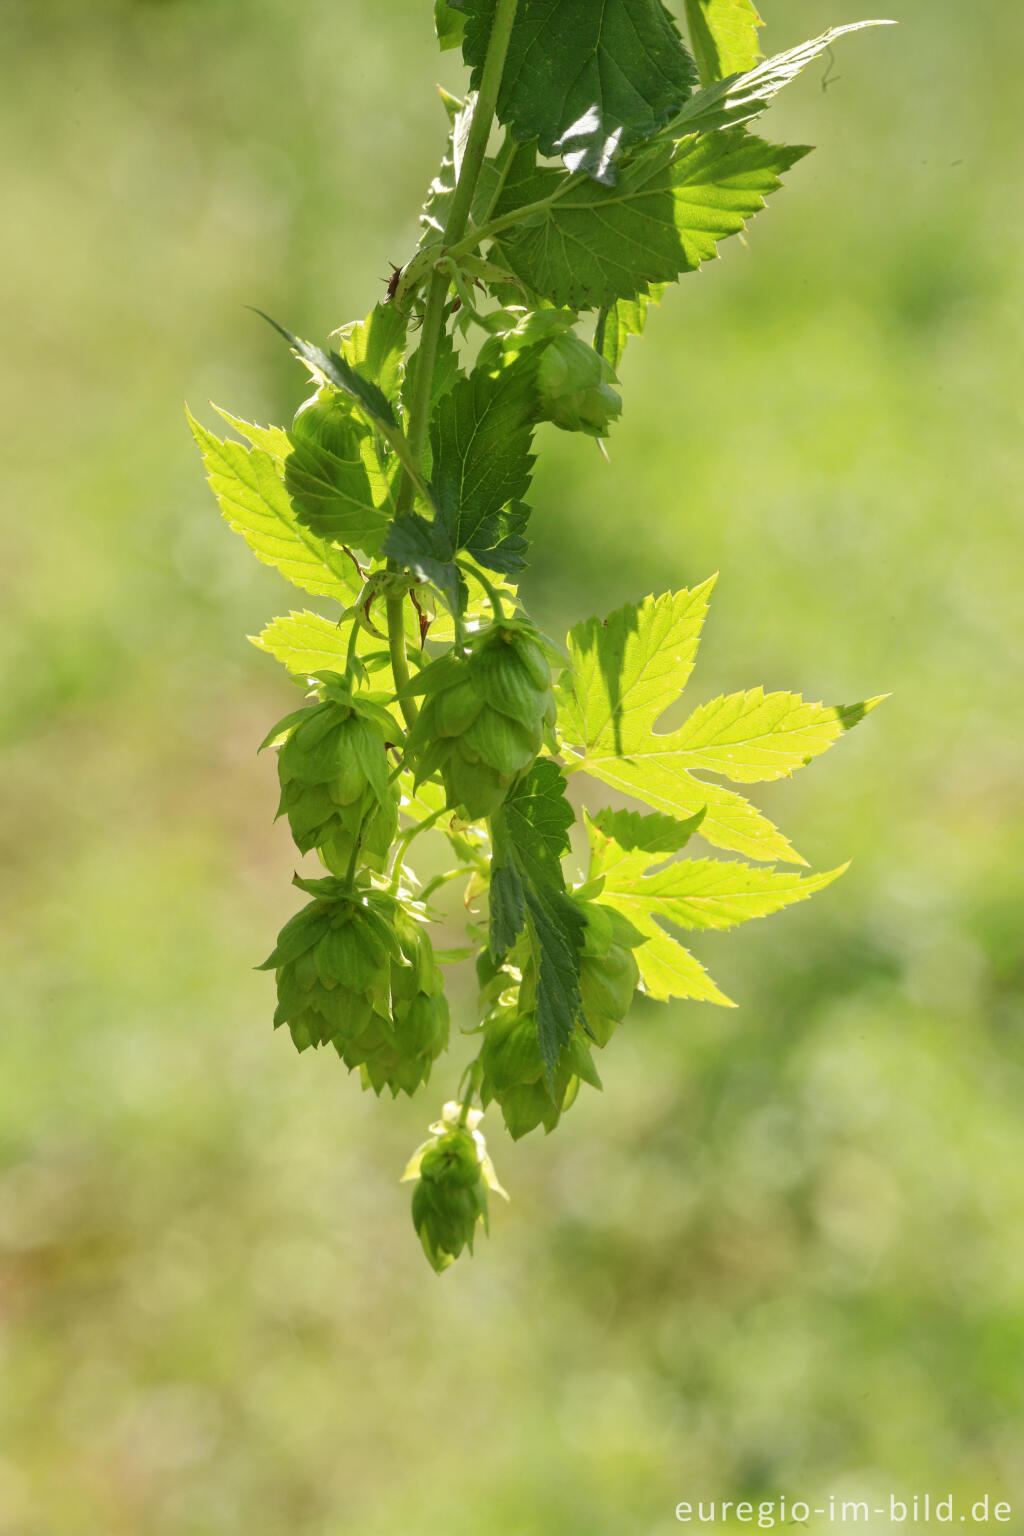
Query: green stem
[[434, 314], [492, 594], [514, 216], [395, 608], [472, 1072], [406, 838]]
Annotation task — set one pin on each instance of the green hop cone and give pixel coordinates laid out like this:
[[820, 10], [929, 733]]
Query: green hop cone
[[355, 970], [574, 384], [512, 1072], [334, 777], [453, 1173], [325, 420], [609, 974], [484, 717]]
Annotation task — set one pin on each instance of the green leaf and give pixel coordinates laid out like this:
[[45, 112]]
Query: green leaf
[[376, 347], [721, 893], [634, 832], [586, 245], [723, 36], [332, 368], [273, 440], [740, 97], [625, 673], [757, 736], [689, 893], [437, 207], [480, 439], [248, 486], [620, 321], [586, 80], [449, 24], [306, 643], [667, 969], [480, 449], [531, 836], [343, 496], [331, 490]]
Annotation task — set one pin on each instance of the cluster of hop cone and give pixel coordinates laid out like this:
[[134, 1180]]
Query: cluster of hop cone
[[355, 967]]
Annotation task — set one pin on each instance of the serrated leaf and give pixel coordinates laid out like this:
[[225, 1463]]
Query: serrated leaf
[[331, 368], [633, 832], [667, 969], [434, 215], [528, 893], [449, 24], [586, 246], [741, 97], [248, 487], [480, 449], [625, 673], [723, 36], [376, 347], [304, 643], [585, 80], [273, 440], [307, 643], [480, 438], [721, 893], [332, 492], [755, 736], [628, 668], [620, 321], [688, 893]]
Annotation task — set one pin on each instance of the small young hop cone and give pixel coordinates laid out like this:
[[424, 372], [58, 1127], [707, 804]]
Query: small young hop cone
[[453, 1173], [574, 384]]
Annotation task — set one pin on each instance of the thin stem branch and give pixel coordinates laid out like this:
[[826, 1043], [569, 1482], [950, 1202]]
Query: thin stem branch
[[434, 315]]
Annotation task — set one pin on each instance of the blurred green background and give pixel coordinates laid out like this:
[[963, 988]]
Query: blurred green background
[[783, 1252]]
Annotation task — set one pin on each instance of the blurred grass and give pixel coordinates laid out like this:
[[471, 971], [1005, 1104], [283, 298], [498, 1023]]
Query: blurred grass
[[782, 1252]]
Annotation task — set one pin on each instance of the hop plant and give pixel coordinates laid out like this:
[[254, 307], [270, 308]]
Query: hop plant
[[399, 499], [453, 1173], [484, 716], [335, 786], [356, 971]]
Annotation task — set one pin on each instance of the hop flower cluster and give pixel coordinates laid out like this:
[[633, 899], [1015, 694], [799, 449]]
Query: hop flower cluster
[[335, 787], [454, 1173], [355, 969], [484, 716]]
